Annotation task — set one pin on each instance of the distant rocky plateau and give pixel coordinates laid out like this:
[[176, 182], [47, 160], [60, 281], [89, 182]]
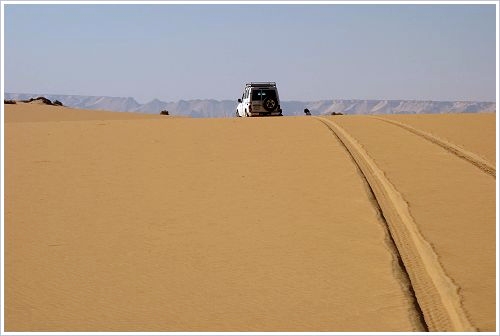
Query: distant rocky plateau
[[210, 108]]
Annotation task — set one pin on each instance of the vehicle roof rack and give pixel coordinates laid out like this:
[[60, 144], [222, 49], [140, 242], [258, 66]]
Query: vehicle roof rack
[[260, 84]]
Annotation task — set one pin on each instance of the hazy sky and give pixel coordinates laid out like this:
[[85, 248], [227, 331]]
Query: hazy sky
[[172, 52]]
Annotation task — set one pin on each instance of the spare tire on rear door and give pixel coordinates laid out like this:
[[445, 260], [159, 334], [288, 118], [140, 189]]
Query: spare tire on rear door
[[270, 104]]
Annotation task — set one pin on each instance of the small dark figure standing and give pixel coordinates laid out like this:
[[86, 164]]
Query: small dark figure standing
[[306, 111]]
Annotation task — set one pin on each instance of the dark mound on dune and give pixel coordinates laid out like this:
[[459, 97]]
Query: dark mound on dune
[[43, 100]]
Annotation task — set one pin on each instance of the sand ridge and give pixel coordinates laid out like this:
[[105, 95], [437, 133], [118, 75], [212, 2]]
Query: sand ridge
[[170, 225], [39, 112], [236, 224]]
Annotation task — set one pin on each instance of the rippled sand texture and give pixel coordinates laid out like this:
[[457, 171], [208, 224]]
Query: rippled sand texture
[[128, 222]]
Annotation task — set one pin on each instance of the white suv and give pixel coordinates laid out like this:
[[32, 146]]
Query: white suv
[[259, 99]]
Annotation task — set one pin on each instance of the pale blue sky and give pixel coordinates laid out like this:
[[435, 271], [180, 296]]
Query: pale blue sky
[[172, 52]]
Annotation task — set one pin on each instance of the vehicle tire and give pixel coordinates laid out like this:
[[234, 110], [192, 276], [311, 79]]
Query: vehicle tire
[[237, 114], [270, 104], [246, 113]]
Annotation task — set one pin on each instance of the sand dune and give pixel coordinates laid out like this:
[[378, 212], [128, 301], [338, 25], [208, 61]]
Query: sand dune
[[476, 160], [37, 112], [470, 131], [127, 222], [451, 200]]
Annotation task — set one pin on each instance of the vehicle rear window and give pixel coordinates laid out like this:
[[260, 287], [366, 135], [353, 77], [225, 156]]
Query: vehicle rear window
[[263, 94]]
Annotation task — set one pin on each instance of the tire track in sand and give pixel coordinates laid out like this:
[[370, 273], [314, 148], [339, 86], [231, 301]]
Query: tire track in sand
[[462, 153], [436, 294]]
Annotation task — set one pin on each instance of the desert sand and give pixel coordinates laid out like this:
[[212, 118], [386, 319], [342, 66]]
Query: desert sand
[[129, 222]]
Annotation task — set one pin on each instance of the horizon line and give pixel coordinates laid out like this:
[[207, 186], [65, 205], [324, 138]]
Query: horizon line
[[288, 100]]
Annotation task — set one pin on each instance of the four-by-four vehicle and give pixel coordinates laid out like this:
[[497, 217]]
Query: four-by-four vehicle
[[259, 99]]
